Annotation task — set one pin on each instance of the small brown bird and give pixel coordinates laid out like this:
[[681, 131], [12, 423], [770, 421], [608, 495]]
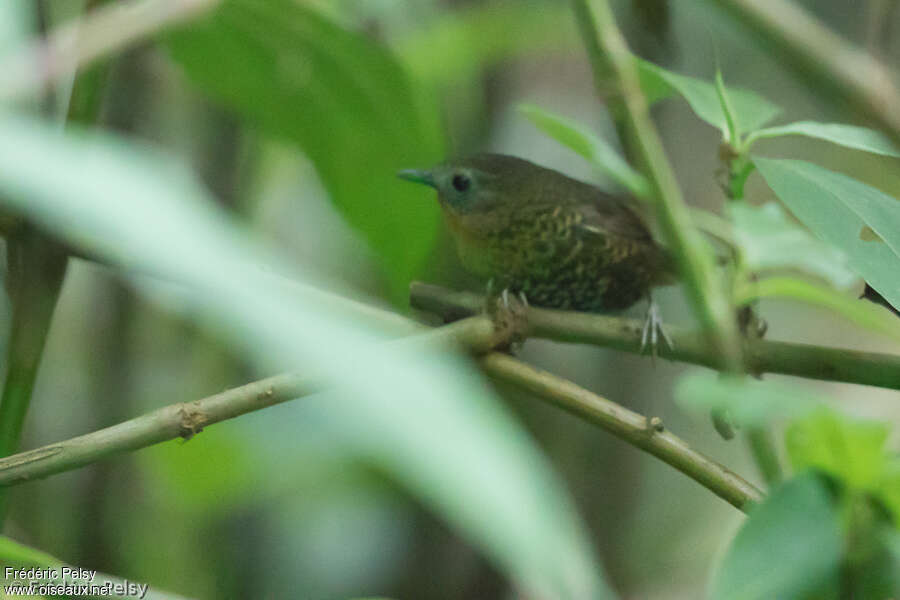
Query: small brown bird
[[557, 242]]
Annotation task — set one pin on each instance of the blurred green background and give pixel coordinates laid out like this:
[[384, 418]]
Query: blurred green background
[[267, 506]]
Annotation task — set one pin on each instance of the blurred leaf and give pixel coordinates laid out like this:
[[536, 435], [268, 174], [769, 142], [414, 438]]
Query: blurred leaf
[[769, 240], [865, 314], [426, 417], [14, 554], [750, 109], [835, 208], [462, 42], [790, 545], [595, 150], [853, 451], [747, 401], [850, 136], [889, 492], [340, 97], [210, 477]]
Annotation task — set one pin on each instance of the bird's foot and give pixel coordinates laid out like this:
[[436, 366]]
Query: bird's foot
[[653, 329], [508, 311]]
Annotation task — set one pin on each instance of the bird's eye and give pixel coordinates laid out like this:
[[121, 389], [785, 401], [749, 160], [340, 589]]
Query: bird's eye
[[460, 182]]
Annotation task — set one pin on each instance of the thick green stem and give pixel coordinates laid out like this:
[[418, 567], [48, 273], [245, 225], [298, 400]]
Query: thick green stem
[[36, 268], [614, 66], [762, 446], [761, 356]]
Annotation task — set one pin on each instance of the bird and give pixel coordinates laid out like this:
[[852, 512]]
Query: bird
[[554, 241]]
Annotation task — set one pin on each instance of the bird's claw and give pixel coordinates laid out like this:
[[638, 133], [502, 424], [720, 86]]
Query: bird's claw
[[653, 329], [508, 310]]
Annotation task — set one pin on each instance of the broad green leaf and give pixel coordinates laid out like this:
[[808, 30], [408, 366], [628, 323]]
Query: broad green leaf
[[595, 150], [864, 314], [836, 208], [849, 136], [426, 417], [747, 401], [853, 451], [342, 99], [790, 545], [751, 110], [16, 555], [770, 241]]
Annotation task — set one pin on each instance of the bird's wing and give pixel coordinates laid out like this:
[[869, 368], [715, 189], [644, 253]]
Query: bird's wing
[[612, 216]]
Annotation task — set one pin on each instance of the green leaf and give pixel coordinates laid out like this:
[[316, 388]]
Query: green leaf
[[731, 129], [340, 97], [746, 401], [750, 109], [836, 208], [790, 545], [865, 314], [770, 241], [595, 150], [426, 417], [853, 451], [849, 136]]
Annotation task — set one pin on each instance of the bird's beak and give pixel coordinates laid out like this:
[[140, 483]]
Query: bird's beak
[[417, 176]]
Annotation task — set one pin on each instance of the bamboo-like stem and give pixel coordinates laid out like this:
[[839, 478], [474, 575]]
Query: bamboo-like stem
[[612, 62], [800, 40], [170, 422], [477, 334], [761, 356]]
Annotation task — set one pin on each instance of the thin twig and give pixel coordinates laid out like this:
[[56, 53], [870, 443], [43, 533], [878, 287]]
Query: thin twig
[[477, 334], [114, 27], [761, 356], [627, 425], [799, 39]]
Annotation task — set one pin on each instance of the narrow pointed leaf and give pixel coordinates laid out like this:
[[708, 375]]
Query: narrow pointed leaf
[[595, 150], [849, 136], [750, 109]]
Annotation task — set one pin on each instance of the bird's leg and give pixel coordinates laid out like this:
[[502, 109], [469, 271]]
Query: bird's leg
[[507, 309], [653, 329]]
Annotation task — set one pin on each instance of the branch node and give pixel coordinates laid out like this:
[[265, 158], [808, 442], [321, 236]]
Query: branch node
[[653, 426], [193, 420]]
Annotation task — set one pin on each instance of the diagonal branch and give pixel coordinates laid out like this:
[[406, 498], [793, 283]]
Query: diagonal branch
[[187, 419]]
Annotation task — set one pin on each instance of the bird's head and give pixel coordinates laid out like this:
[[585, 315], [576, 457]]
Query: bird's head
[[477, 184]]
